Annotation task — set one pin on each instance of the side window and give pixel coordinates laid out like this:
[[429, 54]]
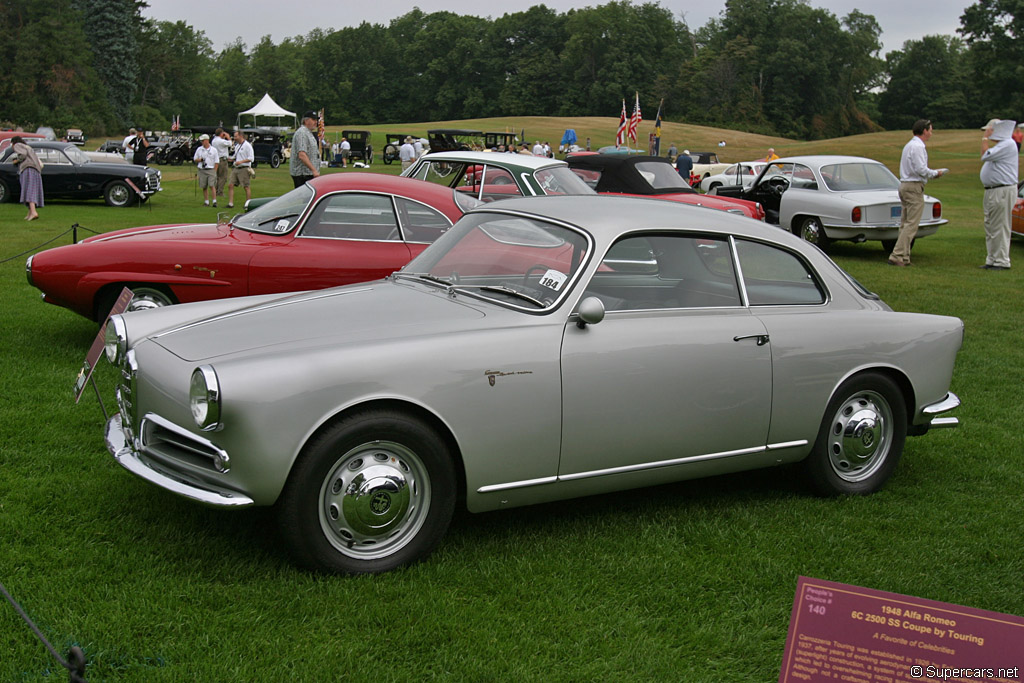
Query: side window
[[353, 216], [421, 223], [777, 277], [659, 271], [803, 178]]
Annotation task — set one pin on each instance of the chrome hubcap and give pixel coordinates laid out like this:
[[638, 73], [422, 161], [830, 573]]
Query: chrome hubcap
[[119, 194], [145, 299], [811, 232], [860, 436], [374, 500]]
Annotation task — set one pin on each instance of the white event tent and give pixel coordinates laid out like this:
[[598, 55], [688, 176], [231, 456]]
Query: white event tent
[[267, 107]]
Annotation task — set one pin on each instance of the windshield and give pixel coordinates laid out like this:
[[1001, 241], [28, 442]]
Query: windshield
[[278, 216], [561, 180], [663, 177], [76, 155], [858, 177], [515, 261]]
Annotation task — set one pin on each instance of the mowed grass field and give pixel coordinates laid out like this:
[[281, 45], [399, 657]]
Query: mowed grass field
[[689, 582]]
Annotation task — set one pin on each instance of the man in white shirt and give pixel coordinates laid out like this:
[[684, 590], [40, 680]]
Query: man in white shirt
[[407, 153], [538, 149], [207, 158], [914, 173], [128, 146], [241, 168], [417, 146], [222, 142], [999, 177], [346, 151]]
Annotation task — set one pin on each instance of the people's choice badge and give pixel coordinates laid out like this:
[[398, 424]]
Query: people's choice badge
[[553, 280]]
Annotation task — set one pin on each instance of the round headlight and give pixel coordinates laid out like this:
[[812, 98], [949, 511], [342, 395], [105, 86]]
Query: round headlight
[[204, 398], [115, 339]]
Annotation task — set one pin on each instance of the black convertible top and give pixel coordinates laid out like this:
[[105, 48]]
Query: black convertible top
[[631, 174]]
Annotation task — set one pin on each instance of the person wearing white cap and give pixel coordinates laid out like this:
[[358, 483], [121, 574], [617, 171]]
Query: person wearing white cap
[[999, 176], [407, 153], [207, 159], [914, 173]]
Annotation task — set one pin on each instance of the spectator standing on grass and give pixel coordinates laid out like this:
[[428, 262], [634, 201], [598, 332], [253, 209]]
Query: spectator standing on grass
[[538, 149], [1018, 135], [128, 145], [673, 151], [222, 142], [140, 149], [304, 164], [346, 151], [241, 168], [914, 173], [407, 152], [30, 176], [684, 165], [771, 156], [999, 176], [417, 146], [207, 158]]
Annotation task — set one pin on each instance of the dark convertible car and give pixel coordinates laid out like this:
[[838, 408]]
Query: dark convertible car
[[68, 173]]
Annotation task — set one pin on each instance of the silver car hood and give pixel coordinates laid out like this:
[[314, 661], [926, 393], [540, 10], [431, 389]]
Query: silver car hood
[[367, 313]]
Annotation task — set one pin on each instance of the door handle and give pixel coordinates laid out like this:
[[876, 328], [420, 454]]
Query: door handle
[[762, 339]]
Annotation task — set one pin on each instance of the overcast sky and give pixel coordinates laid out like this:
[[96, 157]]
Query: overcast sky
[[251, 20]]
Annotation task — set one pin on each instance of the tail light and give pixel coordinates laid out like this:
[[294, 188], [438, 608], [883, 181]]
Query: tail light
[[855, 214], [937, 210]]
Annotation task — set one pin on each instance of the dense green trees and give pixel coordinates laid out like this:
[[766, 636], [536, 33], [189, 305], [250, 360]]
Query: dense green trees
[[774, 66]]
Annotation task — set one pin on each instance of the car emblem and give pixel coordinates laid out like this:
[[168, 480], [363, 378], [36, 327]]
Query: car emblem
[[380, 503], [868, 439], [490, 380]]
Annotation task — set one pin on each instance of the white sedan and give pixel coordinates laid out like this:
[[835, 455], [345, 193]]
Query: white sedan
[[823, 198], [742, 174]]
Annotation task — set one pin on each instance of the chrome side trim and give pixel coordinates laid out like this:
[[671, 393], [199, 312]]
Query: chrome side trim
[[516, 484], [948, 403], [661, 463], [787, 444], [130, 460]]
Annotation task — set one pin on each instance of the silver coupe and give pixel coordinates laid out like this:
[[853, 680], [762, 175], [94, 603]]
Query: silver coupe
[[543, 348]]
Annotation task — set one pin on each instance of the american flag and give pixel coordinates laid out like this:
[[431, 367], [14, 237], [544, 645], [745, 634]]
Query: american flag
[[320, 126], [634, 120], [620, 136]]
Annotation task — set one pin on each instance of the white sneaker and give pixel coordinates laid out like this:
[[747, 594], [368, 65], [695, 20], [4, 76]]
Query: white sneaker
[[206, 202]]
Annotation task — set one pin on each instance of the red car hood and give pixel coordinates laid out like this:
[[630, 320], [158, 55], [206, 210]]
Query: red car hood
[[191, 232]]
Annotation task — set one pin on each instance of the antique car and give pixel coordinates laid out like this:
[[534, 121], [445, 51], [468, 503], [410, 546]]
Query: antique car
[[335, 230], [392, 145], [706, 164], [822, 198], [452, 139], [499, 141], [492, 175], [526, 356], [741, 174], [69, 174], [111, 147], [75, 136], [267, 145], [655, 177], [360, 148], [1017, 225]]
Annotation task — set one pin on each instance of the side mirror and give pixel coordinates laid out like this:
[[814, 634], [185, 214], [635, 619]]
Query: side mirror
[[591, 312]]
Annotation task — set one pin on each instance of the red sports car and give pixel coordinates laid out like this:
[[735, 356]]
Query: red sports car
[[1018, 213], [335, 230], [646, 176]]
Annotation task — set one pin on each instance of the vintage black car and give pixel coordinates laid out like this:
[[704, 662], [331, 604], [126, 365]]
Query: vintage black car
[[506, 141], [267, 145], [392, 145], [453, 139], [360, 147], [110, 147], [68, 173], [75, 136]]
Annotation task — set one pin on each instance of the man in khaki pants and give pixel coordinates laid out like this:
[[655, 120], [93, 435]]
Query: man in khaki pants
[[999, 177], [914, 173]]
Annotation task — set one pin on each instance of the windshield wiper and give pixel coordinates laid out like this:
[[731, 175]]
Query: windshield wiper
[[503, 289], [425, 276]]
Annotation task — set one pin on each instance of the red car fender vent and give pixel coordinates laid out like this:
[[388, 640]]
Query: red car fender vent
[[937, 210], [855, 214]]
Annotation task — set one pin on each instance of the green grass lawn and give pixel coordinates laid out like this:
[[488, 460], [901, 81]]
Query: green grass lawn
[[690, 581]]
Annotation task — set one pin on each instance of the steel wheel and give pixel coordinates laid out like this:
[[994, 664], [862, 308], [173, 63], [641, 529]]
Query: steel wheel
[[275, 160], [146, 298], [5, 192], [374, 500], [374, 491], [861, 437], [811, 230]]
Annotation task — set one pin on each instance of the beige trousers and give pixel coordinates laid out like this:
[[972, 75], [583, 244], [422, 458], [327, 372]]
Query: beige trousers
[[998, 205], [912, 199]]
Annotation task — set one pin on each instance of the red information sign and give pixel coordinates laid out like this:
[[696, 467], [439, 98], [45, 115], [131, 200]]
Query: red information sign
[[96, 350], [859, 635]]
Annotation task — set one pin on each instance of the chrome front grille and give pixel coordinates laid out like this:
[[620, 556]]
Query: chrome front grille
[[167, 441], [126, 389]]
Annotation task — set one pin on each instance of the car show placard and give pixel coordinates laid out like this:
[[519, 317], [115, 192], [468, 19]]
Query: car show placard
[[96, 350], [839, 632]]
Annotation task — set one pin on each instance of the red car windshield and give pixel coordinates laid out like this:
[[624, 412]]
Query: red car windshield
[[279, 216]]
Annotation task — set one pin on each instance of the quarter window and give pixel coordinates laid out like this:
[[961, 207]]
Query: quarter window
[[777, 277], [420, 222]]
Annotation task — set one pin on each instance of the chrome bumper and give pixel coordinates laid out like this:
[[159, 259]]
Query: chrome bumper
[[133, 461], [944, 406]]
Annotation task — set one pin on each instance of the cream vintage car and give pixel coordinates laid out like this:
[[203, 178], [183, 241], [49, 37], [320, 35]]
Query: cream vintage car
[[543, 348]]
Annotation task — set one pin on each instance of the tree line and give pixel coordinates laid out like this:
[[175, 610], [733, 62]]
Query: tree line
[[779, 67]]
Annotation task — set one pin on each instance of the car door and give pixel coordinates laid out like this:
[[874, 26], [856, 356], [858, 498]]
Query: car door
[[59, 174], [348, 237], [678, 371]]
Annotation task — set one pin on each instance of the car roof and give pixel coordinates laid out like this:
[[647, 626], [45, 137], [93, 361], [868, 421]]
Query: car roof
[[620, 173], [605, 216], [523, 161], [382, 182], [824, 159]]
